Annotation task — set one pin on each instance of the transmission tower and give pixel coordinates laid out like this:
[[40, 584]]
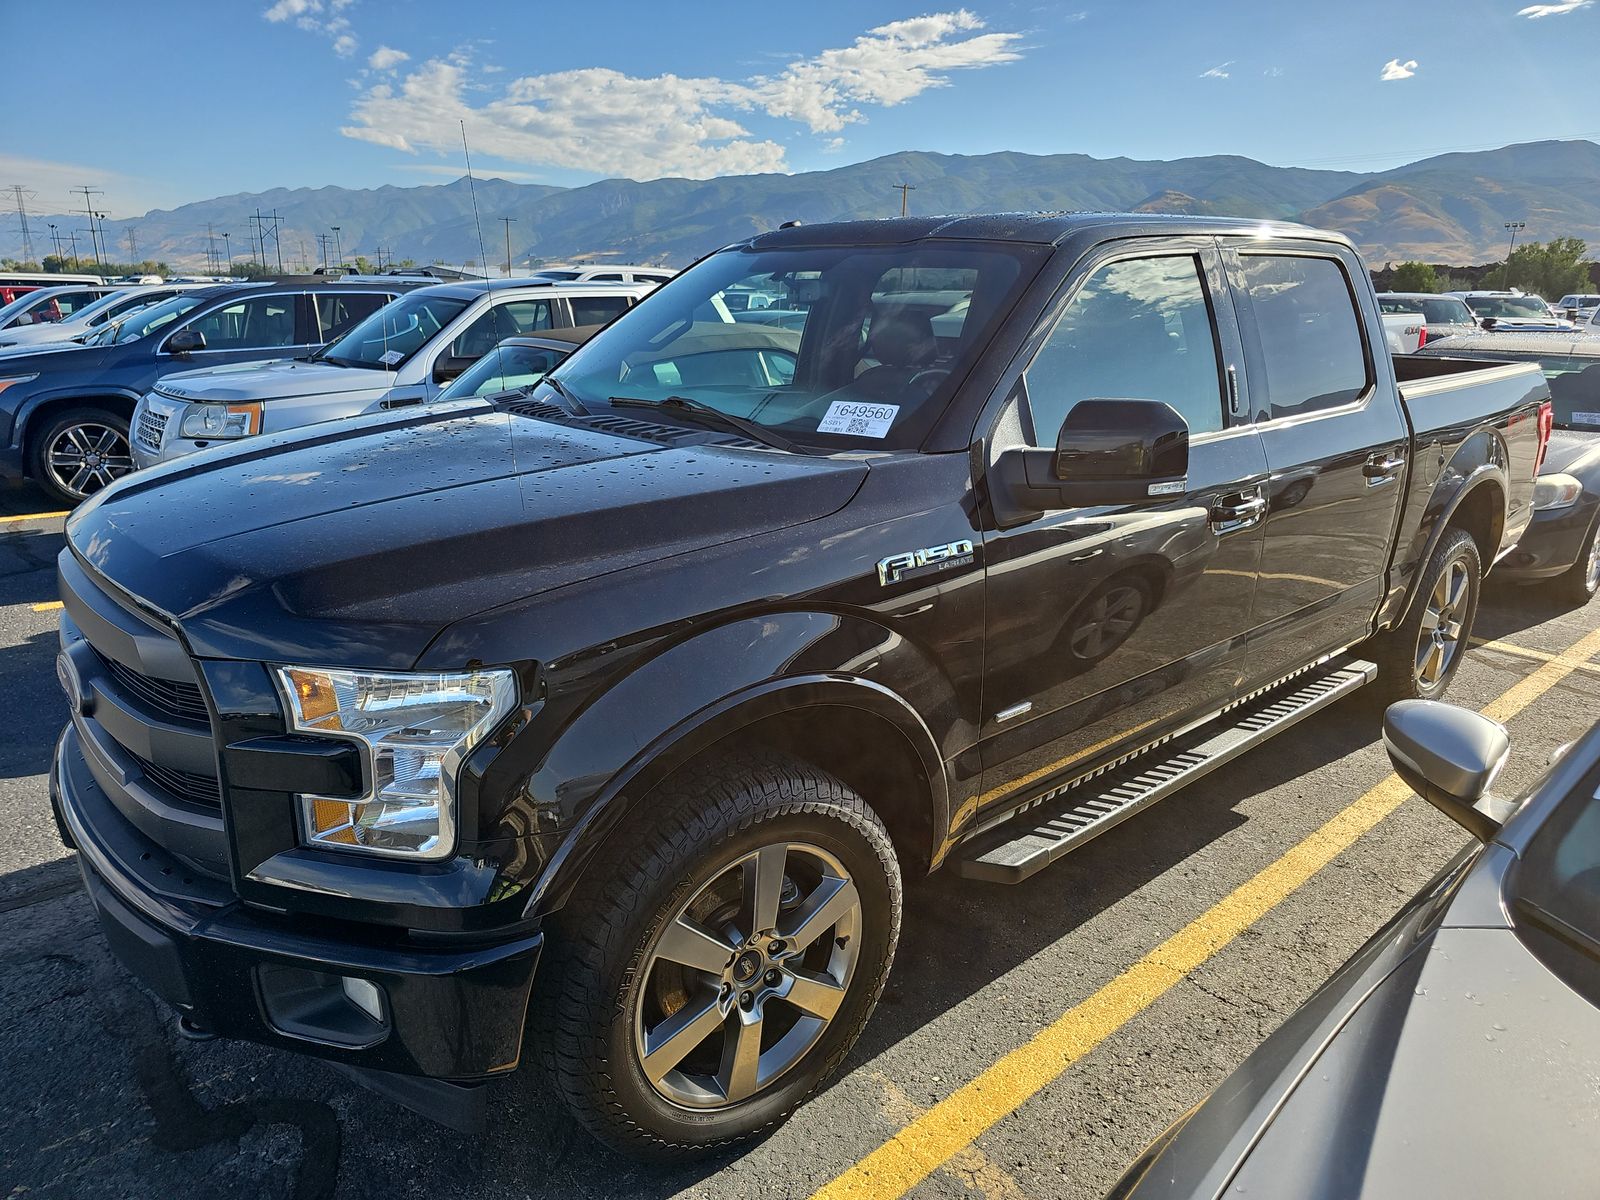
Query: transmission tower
[[23, 196], [88, 210]]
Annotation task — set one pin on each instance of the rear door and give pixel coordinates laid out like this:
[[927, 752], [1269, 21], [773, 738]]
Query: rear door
[[1328, 411], [1108, 626], [254, 326]]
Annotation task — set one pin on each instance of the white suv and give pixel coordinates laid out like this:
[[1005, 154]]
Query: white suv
[[403, 354]]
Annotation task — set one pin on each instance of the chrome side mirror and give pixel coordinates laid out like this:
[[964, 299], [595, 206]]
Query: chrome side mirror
[[1450, 756]]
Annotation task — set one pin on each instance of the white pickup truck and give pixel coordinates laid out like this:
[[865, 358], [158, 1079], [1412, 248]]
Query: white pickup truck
[[1406, 332]]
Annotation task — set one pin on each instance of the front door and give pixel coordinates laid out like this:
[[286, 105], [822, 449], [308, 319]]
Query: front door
[[1108, 626]]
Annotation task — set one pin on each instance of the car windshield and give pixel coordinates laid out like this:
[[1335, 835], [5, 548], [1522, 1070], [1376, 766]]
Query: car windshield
[[1555, 891], [1444, 311], [387, 338], [20, 305], [142, 321], [504, 368], [1509, 306], [887, 335]]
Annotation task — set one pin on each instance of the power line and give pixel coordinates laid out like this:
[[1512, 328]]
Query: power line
[[23, 196]]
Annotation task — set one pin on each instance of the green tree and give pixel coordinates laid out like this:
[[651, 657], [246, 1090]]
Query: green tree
[[251, 270], [1549, 269], [1415, 277]]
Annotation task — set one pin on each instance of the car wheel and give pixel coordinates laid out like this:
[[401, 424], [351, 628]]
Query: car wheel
[[717, 968], [79, 452], [1579, 583], [1419, 657]]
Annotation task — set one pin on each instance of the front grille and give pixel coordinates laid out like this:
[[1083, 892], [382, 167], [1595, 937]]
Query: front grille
[[193, 789], [152, 427], [167, 697]]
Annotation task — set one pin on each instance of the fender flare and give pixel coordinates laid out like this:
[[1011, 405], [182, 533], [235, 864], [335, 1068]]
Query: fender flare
[[625, 791], [1449, 503], [73, 395]]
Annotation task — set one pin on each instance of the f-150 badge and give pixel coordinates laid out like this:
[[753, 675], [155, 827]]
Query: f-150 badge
[[926, 561]]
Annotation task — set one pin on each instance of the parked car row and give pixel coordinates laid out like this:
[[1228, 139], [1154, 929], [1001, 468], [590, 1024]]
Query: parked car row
[[654, 676]]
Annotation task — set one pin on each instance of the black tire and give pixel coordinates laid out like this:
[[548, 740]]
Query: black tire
[[1400, 652], [99, 439], [1577, 586], [603, 965]]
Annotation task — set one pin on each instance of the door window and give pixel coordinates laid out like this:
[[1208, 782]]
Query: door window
[[338, 314], [596, 310], [501, 321], [1311, 345], [1139, 329], [254, 323]]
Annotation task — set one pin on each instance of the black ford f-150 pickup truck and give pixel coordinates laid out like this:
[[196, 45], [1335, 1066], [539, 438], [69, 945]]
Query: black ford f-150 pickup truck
[[607, 716]]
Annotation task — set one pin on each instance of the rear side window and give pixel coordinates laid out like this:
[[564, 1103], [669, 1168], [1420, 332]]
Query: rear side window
[[596, 310], [255, 323], [1311, 345], [502, 321], [1139, 329], [338, 314]]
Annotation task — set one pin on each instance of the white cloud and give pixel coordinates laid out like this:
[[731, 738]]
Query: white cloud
[[1395, 69], [599, 120], [386, 58], [1219, 72], [1534, 11], [318, 16]]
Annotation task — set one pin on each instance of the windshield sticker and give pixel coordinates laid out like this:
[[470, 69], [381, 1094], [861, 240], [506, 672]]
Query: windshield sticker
[[389, 357], [859, 420], [1579, 418]]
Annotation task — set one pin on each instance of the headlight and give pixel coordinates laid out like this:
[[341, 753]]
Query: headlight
[[221, 421], [12, 380], [1556, 491], [414, 731]]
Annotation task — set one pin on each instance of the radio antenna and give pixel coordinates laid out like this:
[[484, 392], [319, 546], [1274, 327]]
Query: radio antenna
[[483, 259]]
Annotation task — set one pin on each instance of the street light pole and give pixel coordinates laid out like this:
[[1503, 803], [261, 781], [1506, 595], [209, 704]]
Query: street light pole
[[1513, 228], [338, 246]]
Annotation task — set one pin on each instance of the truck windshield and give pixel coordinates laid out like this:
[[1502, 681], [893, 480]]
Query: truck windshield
[[887, 335], [386, 339], [1509, 306], [142, 321]]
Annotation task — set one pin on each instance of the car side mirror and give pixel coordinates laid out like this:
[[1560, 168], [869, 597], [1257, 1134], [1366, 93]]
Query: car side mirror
[[448, 368], [1450, 756], [1490, 322], [186, 341]]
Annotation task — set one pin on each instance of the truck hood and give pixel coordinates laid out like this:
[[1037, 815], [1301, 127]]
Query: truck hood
[[273, 380], [354, 543]]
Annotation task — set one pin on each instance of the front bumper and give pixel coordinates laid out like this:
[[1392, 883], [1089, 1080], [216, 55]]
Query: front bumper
[[446, 1012], [153, 433], [1553, 541]]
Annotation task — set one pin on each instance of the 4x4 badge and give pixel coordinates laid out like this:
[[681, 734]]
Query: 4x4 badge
[[912, 563]]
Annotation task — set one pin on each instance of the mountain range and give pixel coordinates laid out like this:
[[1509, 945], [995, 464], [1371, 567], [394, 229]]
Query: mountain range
[[1451, 208]]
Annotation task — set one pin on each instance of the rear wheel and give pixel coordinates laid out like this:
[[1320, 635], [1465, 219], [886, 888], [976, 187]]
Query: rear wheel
[[715, 972], [1420, 656], [79, 452], [1581, 580]]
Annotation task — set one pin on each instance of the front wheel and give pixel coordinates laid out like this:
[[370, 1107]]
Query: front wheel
[[1577, 586], [1419, 657], [717, 969], [79, 452]]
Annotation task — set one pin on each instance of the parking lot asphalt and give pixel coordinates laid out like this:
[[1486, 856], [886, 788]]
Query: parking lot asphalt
[[1031, 1042]]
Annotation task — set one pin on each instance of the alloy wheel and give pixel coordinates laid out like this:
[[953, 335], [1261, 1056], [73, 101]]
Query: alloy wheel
[[1591, 566], [1443, 624], [745, 977], [86, 457]]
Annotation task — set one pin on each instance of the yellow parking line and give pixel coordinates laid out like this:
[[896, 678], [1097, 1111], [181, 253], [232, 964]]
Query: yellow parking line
[[47, 606], [1527, 652], [21, 517], [950, 1126]]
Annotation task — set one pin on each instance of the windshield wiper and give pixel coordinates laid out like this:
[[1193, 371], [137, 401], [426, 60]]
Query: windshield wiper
[[573, 404], [683, 406]]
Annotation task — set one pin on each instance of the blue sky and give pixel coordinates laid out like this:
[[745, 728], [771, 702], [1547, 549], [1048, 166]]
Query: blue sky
[[201, 98]]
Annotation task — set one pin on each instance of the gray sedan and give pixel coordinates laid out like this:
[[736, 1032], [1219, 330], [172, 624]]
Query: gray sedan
[[1457, 1053]]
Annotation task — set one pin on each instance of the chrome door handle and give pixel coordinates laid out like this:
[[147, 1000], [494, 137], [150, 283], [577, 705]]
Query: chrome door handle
[[1238, 512], [1381, 469]]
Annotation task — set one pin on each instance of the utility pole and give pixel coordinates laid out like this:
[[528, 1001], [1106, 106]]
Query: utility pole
[[23, 196], [228, 247], [322, 247], [338, 246], [88, 210], [305, 265], [903, 189], [74, 236], [1513, 228], [56, 240], [508, 222]]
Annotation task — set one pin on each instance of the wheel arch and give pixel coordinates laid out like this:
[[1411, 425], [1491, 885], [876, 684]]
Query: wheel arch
[[39, 410]]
